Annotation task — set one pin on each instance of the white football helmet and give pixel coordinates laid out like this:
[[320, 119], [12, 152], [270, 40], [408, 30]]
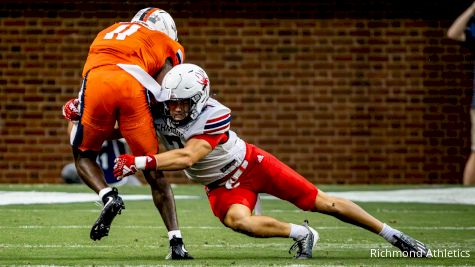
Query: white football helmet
[[158, 20], [188, 81]]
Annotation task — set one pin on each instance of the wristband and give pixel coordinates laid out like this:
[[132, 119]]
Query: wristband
[[148, 163]]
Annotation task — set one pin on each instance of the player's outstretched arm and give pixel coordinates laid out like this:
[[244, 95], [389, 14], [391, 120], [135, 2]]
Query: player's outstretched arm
[[457, 30], [172, 160]]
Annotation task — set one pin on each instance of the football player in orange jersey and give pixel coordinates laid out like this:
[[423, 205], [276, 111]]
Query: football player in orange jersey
[[125, 65]]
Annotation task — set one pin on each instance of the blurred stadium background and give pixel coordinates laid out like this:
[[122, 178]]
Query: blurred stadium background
[[345, 92]]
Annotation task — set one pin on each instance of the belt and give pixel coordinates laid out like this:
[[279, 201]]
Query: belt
[[230, 180]]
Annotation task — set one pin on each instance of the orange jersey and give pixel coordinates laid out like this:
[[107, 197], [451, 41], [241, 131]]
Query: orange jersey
[[133, 43]]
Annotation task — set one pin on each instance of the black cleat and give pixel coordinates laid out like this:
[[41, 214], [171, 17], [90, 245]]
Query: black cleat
[[413, 248], [177, 250], [112, 207], [304, 245]]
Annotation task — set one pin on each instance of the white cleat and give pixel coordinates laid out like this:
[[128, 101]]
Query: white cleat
[[305, 244]]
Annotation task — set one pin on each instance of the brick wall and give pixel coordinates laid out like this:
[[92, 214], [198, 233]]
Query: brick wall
[[365, 92]]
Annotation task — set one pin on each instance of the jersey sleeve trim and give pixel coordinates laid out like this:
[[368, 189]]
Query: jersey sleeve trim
[[218, 125], [220, 130], [179, 55]]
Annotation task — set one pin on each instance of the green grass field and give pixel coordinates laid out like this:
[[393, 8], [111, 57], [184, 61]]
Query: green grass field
[[58, 234]]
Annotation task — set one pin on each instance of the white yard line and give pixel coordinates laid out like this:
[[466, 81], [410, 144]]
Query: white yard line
[[453, 195], [33, 197], [284, 243], [436, 195], [457, 195], [213, 228]]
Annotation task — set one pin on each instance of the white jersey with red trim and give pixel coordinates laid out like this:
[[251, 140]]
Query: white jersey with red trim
[[215, 118]]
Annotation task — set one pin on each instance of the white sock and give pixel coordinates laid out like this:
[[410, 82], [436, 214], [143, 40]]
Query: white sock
[[176, 233], [104, 191], [297, 231], [388, 233]]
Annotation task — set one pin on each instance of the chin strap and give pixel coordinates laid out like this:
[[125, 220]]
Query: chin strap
[[179, 123]]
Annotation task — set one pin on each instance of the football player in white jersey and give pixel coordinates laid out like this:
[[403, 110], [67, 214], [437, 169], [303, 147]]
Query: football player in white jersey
[[196, 131]]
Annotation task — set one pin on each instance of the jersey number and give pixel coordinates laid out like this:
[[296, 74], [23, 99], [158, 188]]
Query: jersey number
[[174, 141], [122, 31]]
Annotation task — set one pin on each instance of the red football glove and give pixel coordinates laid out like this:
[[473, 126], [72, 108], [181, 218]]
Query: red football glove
[[126, 165], [71, 110]]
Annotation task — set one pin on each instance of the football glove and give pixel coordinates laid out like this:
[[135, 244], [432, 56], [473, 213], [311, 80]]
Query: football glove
[[126, 165], [71, 110]]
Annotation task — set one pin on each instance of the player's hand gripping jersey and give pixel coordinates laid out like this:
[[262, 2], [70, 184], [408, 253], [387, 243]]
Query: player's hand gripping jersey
[[212, 125]]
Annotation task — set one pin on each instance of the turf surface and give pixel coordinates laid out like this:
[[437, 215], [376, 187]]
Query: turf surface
[[58, 234]]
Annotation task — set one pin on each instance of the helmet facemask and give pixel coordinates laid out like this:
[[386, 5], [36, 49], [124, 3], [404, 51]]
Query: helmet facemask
[[186, 82], [188, 107]]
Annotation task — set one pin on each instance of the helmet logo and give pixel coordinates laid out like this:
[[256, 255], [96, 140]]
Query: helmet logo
[[154, 18], [157, 19], [202, 79]]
